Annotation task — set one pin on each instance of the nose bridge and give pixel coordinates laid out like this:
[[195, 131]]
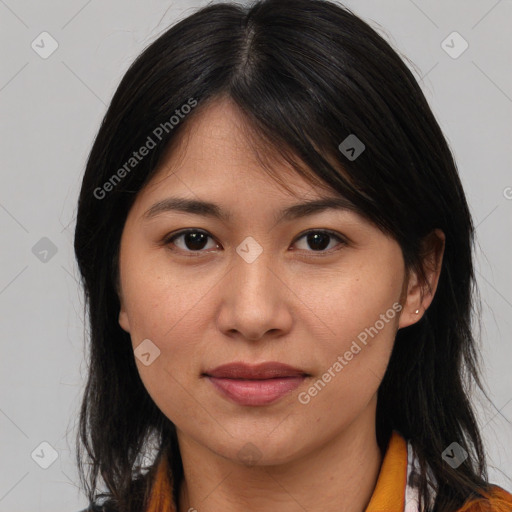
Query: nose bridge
[[252, 264]]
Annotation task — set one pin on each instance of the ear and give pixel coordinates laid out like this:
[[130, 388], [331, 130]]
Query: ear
[[123, 316], [420, 293]]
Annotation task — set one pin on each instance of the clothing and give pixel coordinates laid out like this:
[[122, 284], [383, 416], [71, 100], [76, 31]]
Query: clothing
[[394, 492]]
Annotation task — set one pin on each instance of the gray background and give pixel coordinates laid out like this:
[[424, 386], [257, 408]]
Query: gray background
[[51, 109]]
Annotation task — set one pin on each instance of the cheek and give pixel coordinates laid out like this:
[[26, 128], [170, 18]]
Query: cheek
[[157, 295], [341, 303], [353, 365], [170, 308], [359, 313], [168, 312]]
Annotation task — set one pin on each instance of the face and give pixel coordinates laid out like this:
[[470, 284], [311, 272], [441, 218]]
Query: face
[[323, 293]]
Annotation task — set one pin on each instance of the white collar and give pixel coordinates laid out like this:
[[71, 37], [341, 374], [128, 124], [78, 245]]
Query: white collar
[[411, 501]]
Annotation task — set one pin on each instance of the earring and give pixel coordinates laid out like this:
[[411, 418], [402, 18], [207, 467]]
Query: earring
[[417, 311]]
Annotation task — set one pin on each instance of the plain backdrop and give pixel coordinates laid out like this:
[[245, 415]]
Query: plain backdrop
[[51, 106]]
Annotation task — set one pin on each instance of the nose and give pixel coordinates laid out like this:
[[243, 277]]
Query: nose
[[255, 301]]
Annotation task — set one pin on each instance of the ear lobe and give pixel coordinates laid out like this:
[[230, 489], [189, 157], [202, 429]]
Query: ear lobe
[[421, 289], [408, 316], [123, 319]]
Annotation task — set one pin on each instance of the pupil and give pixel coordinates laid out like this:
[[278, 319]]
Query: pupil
[[314, 237], [193, 240]]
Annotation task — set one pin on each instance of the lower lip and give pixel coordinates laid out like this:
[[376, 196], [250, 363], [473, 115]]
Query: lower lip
[[256, 392]]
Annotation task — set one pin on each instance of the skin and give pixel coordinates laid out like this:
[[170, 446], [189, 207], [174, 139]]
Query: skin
[[294, 304]]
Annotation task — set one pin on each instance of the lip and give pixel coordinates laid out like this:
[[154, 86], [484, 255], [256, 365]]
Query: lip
[[241, 370], [255, 385]]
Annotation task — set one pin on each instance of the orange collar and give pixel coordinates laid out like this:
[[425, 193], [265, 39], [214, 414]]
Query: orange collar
[[389, 493]]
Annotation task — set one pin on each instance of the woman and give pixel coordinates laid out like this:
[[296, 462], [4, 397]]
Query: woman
[[276, 252]]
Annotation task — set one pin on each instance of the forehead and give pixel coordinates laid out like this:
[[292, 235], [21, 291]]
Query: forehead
[[218, 149]]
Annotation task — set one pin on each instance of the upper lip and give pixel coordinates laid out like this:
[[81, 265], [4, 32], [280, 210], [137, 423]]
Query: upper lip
[[258, 371]]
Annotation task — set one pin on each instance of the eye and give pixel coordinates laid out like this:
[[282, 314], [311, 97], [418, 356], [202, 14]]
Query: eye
[[194, 240], [319, 240]]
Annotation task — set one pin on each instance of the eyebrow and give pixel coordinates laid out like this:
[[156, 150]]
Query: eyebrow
[[209, 209]]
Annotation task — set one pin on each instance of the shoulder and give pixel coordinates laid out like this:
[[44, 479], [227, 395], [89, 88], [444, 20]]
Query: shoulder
[[496, 500], [501, 497]]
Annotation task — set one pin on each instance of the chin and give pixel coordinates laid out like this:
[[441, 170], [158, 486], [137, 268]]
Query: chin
[[258, 449]]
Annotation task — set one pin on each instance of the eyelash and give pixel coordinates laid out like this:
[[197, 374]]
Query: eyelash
[[169, 239]]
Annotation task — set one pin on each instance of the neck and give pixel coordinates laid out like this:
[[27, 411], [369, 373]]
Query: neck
[[340, 475]]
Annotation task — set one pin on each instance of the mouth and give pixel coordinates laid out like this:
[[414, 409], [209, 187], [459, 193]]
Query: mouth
[[255, 385]]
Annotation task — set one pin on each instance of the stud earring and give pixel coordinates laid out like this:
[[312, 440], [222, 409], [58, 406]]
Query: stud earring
[[417, 311]]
